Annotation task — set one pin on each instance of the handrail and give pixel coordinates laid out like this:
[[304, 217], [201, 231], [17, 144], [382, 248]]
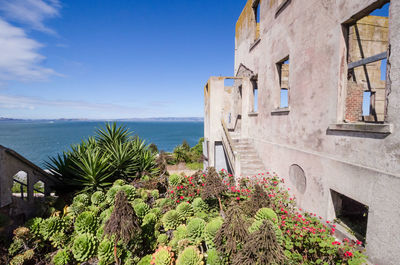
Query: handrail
[[229, 146]]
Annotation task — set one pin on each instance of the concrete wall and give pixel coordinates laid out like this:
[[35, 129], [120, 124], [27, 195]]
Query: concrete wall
[[364, 166]]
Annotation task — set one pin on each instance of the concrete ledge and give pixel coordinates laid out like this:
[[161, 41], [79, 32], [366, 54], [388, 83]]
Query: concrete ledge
[[280, 111], [255, 43], [253, 114], [386, 128]]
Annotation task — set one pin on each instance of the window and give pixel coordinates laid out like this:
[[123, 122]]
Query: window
[[351, 214], [367, 45], [257, 18], [255, 97], [283, 71]]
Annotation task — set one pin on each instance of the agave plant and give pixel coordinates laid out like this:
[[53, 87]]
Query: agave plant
[[92, 169], [112, 134]]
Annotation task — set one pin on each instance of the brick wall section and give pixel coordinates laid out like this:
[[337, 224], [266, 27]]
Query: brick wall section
[[354, 102]]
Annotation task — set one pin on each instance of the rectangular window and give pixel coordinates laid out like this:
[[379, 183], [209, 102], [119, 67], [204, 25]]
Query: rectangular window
[[367, 46], [283, 71], [351, 214]]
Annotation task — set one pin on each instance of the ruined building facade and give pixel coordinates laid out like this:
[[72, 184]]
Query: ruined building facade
[[315, 98]]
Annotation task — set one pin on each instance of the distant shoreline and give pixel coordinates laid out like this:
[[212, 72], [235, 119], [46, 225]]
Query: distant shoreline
[[167, 119]]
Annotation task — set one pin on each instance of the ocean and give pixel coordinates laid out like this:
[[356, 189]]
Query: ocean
[[39, 140]]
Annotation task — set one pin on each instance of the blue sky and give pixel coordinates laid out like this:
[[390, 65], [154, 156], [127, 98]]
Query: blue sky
[[112, 59]]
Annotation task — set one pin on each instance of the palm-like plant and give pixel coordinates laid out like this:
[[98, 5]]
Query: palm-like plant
[[112, 134], [91, 169]]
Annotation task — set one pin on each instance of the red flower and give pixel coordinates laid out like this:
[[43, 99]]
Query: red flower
[[348, 254], [172, 191], [237, 198], [181, 197]]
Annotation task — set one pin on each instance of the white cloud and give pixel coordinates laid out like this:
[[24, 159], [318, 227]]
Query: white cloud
[[31, 12], [19, 56], [22, 102]]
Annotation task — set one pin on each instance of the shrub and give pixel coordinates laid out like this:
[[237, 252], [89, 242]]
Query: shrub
[[190, 256], [84, 247]]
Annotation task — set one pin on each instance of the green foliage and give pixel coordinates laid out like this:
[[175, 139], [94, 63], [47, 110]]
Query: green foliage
[[59, 240], [195, 165], [63, 257], [213, 257], [17, 260], [175, 180], [77, 208], [34, 225], [266, 214], [105, 251], [162, 239], [145, 260], [141, 209], [163, 256], [50, 226], [130, 191], [15, 246], [155, 194], [119, 182], [190, 256], [199, 205], [195, 229], [149, 218], [211, 230], [84, 247], [81, 198], [86, 222], [156, 211], [98, 197], [171, 219], [185, 209], [111, 193]]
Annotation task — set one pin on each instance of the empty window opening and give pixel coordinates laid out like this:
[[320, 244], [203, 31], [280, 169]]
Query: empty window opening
[[229, 82], [283, 70], [255, 99], [366, 103], [351, 214], [38, 188], [20, 185], [257, 17], [367, 46]]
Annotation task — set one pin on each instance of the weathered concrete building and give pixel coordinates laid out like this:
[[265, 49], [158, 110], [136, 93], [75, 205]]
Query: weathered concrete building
[[315, 97]]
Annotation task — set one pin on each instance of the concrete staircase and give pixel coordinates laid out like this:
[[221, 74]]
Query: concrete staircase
[[250, 162]]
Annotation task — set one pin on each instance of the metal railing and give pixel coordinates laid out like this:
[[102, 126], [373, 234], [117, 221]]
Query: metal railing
[[227, 142]]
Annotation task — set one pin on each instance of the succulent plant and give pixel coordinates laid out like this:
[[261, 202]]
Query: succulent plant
[[86, 222], [175, 180], [141, 209], [195, 229], [255, 226], [162, 240], [213, 257], [110, 195], [84, 247], [156, 211], [163, 202], [63, 257], [190, 256], [76, 208], [144, 194], [202, 215], [130, 191], [81, 198], [119, 182], [163, 256], [29, 254], [145, 260], [105, 251], [266, 213], [59, 239], [106, 214], [34, 225], [98, 197], [149, 218], [137, 201], [171, 219], [50, 226], [155, 194], [199, 204], [185, 209], [17, 260], [15, 246], [180, 232], [22, 233], [211, 230]]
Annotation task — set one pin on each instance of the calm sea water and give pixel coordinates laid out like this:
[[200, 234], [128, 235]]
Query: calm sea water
[[38, 140]]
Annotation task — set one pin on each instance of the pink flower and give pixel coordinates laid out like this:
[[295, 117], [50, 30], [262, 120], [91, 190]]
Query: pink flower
[[237, 198]]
